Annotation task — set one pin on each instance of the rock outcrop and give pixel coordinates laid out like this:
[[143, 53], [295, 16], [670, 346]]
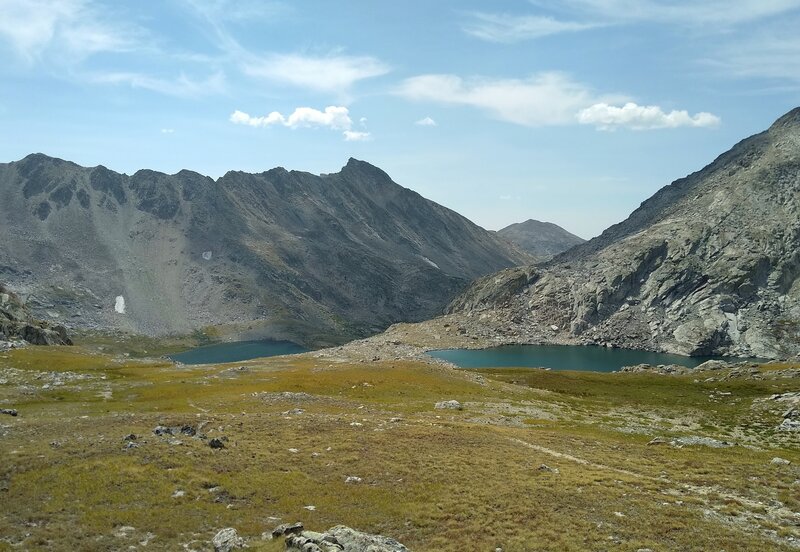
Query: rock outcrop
[[280, 254], [16, 323], [540, 239], [341, 539], [709, 265]]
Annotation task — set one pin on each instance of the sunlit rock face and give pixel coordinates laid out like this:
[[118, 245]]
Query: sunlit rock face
[[709, 265]]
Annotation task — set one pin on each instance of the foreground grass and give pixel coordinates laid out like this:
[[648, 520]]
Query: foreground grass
[[433, 479]]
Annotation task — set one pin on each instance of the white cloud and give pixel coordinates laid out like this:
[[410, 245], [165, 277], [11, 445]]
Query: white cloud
[[642, 117], [333, 117], [356, 136], [180, 86], [683, 12], [332, 73], [513, 28], [167, 131], [67, 30], [543, 99], [427, 121]]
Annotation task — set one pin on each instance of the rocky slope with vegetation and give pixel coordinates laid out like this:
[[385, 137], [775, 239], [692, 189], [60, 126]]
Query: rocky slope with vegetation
[[281, 254], [541, 239], [17, 325], [709, 265]]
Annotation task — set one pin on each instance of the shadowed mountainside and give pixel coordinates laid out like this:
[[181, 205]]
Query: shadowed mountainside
[[281, 254]]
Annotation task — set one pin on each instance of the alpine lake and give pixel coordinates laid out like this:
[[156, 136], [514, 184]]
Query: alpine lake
[[553, 357]]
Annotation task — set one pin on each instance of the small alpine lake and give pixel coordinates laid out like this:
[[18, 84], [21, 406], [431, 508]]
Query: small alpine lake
[[565, 357], [237, 351]]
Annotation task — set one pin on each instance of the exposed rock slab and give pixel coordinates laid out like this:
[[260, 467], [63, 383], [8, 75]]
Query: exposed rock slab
[[709, 265]]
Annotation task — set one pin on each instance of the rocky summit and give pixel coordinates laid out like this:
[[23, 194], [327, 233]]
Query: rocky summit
[[541, 239], [708, 265], [280, 254]]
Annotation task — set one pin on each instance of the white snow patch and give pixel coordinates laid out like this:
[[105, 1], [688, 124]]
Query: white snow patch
[[207, 255], [119, 304], [430, 262]]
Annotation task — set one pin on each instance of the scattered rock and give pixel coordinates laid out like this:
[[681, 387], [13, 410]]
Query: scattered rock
[[352, 479], [310, 508], [9, 411], [691, 440], [449, 405], [777, 461], [131, 445], [545, 467], [178, 494], [341, 539], [227, 539], [130, 437], [355, 541], [287, 529], [216, 443], [712, 365]]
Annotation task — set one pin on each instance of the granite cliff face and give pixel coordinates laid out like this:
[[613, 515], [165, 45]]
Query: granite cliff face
[[540, 239], [16, 323], [281, 254], [709, 264]]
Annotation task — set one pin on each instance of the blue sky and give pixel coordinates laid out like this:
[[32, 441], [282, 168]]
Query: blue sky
[[572, 112]]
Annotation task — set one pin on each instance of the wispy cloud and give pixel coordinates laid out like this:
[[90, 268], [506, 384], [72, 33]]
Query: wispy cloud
[[67, 30], [547, 99], [356, 136], [180, 86], [514, 28], [330, 73], [242, 11], [333, 117], [426, 121], [642, 117], [772, 55], [543, 99], [682, 12]]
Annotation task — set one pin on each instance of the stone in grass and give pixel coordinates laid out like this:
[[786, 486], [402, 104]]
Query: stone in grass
[[350, 539], [448, 405], [287, 529], [216, 443], [9, 411], [226, 540], [778, 461]]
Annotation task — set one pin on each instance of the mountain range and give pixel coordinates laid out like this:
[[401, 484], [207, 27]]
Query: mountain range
[[317, 259]]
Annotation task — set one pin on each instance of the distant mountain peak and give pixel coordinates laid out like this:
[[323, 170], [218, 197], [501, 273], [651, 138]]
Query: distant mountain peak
[[541, 239]]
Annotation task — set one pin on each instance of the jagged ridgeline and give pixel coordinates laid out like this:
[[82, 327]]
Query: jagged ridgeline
[[709, 264], [281, 254]]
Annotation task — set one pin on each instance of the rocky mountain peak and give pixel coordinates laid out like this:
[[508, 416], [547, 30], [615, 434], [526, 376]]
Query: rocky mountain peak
[[280, 254], [710, 264], [790, 120]]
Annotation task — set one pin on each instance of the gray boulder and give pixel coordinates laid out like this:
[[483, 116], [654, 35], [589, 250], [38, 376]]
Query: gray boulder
[[448, 405], [227, 539]]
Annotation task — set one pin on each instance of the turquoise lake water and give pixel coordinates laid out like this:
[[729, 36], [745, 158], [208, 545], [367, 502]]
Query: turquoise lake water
[[564, 357], [237, 351]]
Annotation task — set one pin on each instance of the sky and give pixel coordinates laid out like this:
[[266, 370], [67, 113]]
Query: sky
[[572, 112]]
